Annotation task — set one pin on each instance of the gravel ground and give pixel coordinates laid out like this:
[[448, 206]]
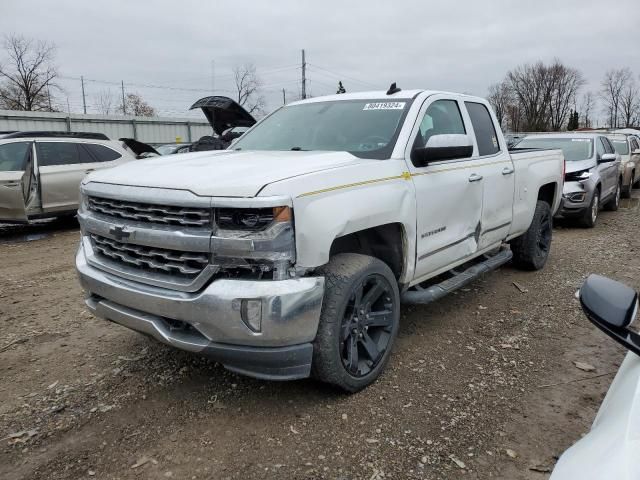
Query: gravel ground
[[482, 384]]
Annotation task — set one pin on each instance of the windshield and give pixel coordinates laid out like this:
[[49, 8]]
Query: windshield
[[621, 146], [365, 128], [574, 149]]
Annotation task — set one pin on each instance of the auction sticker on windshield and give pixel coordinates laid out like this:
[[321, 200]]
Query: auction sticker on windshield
[[385, 106]]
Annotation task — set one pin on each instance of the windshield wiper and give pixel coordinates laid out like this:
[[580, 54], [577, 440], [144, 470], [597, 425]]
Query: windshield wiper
[[298, 149]]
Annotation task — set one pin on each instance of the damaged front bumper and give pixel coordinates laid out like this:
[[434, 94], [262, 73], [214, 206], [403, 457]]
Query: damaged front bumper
[[576, 198], [213, 321]]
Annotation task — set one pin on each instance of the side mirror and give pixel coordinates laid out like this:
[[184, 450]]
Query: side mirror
[[608, 157], [611, 306], [636, 151], [443, 147]]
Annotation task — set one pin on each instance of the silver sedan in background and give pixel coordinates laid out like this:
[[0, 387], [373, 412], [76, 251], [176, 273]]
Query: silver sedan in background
[[593, 174]]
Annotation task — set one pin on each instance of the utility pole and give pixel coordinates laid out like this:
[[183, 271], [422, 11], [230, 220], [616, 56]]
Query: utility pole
[[304, 76], [284, 97], [84, 101], [213, 77], [49, 97], [124, 105]]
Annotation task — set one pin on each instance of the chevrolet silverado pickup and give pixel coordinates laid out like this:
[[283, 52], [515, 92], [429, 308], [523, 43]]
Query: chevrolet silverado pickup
[[288, 255]]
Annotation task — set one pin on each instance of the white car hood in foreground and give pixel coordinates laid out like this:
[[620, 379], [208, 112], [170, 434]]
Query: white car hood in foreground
[[225, 173], [611, 450]]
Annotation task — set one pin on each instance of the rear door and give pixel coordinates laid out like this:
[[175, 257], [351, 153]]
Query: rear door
[[61, 166], [498, 174], [16, 180]]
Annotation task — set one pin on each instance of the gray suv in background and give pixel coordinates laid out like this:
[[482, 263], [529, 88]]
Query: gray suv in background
[[593, 177]]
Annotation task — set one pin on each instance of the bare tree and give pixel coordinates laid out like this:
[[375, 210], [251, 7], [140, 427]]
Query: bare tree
[[135, 105], [27, 74], [629, 103], [248, 85], [565, 83], [613, 85], [587, 105], [104, 101], [532, 90], [501, 97]]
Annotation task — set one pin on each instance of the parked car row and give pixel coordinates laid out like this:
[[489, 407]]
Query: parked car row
[[601, 167], [40, 172]]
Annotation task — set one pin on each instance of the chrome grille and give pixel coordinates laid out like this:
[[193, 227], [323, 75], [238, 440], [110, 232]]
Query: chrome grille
[[150, 259], [147, 212]]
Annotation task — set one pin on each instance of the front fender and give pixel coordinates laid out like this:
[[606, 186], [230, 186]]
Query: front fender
[[344, 200]]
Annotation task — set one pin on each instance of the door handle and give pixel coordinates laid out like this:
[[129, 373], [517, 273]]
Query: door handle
[[89, 170], [508, 170], [474, 177], [10, 184]]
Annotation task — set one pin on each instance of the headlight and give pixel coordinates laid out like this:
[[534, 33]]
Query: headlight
[[255, 241], [254, 219], [577, 176]]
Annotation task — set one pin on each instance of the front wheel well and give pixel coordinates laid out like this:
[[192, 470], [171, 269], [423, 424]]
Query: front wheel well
[[385, 242]]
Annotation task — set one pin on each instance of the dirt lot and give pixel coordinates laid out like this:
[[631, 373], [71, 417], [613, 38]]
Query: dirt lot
[[477, 386]]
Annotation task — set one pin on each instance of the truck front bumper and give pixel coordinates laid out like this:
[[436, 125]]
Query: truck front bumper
[[210, 322]]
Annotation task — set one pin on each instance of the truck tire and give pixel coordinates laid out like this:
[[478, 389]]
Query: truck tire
[[590, 215], [359, 321], [531, 249], [613, 204]]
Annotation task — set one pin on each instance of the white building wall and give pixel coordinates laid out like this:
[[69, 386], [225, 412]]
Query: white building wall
[[154, 130]]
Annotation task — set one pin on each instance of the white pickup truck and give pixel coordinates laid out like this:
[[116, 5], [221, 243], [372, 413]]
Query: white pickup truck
[[289, 254]]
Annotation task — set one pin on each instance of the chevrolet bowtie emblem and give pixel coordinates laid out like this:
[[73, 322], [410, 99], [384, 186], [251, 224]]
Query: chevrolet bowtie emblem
[[119, 233]]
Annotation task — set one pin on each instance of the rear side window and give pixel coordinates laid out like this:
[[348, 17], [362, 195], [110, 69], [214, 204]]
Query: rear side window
[[101, 153], [483, 126], [52, 154], [13, 156]]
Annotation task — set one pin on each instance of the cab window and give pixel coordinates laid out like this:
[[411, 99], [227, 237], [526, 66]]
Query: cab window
[[484, 129], [442, 117], [13, 156]]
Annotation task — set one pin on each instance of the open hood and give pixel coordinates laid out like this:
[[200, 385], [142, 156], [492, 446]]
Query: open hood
[[223, 113], [138, 148]]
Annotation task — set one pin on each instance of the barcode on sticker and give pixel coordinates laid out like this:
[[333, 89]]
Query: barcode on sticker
[[385, 106]]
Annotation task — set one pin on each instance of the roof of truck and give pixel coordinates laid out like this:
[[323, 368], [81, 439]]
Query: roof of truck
[[376, 95]]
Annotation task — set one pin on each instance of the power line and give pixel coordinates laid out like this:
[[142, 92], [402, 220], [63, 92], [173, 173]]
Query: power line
[[341, 76]]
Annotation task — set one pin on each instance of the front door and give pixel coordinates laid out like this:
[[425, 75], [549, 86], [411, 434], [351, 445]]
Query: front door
[[448, 193], [608, 170], [16, 180]]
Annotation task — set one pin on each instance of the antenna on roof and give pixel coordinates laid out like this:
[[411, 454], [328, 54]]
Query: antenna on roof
[[393, 89]]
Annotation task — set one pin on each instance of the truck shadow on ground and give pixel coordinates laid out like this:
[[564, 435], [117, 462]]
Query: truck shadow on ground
[[37, 230]]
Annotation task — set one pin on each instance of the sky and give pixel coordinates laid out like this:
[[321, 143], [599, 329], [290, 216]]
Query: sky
[[193, 46]]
